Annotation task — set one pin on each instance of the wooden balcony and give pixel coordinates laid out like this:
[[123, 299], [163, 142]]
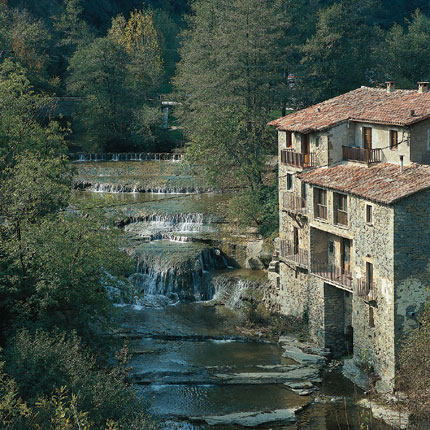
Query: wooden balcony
[[293, 253], [366, 290], [293, 203], [361, 155], [332, 273], [297, 159]]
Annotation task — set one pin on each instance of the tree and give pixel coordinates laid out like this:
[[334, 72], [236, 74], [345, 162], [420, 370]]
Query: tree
[[138, 37], [228, 78], [338, 57], [25, 118], [53, 265], [406, 52], [116, 75]]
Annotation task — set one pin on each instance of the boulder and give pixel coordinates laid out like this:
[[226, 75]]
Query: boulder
[[301, 357]]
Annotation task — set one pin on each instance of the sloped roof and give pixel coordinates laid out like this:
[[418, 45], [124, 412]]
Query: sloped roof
[[374, 105], [382, 183]]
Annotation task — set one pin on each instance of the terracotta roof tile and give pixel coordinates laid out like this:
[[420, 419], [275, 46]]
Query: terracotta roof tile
[[382, 183], [365, 104]]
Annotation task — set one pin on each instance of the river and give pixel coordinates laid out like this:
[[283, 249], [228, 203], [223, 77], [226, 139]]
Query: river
[[180, 337]]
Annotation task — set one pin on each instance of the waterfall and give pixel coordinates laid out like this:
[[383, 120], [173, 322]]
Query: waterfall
[[169, 223], [155, 278], [125, 156]]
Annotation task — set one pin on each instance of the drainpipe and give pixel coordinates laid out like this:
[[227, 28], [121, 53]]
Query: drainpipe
[[401, 163]]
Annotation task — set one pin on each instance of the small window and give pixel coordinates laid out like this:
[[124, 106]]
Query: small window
[[331, 247], [321, 203], [394, 143], [369, 274], [369, 214], [296, 240], [304, 192], [341, 208], [371, 317], [289, 139], [289, 181]]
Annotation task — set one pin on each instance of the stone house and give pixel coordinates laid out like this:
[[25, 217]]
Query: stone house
[[354, 239]]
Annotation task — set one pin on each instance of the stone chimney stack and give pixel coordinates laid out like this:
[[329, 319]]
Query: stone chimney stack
[[423, 87], [390, 86]]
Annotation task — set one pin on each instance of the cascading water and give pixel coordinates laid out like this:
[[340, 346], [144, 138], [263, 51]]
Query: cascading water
[[126, 156]]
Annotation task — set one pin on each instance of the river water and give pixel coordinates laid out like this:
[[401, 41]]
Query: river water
[[178, 338]]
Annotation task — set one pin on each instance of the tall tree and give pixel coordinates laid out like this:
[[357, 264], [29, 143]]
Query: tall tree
[[406, 52], [27, 41], [338, 57], [228, 78], [116, 75]]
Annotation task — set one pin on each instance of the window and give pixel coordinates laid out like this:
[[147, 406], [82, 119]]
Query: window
[[289, 139], [367, 138], [289, 181], [341, 208], [296, 240], [369, 214], [371, 317], [304, 192], [369, 274], [394, 143], [331, 247], [320, 203]]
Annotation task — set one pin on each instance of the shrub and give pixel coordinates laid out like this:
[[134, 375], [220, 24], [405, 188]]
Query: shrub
[[43, 362]]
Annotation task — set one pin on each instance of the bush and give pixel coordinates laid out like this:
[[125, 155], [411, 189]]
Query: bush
[[44, 362]]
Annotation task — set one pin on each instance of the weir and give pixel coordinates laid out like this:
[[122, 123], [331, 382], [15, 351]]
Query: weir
[[125, 156]]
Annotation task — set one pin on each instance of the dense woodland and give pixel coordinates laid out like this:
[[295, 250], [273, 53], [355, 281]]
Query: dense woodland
[[227, 63]]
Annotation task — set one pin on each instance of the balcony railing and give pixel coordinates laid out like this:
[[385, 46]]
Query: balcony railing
[[297, 159], [332, 273], [293, 203], [368, 156], [341, 217], [321, 211], [366, 290], [293, 253]]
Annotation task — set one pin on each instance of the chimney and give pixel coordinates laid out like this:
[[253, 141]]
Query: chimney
[[423, 87], [390, 86], [401, 163]]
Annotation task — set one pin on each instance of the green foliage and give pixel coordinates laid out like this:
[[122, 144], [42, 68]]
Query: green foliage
[[39, 368], [228, 79], [406, 52], [115, 75], [27, 40], [338, 56], [25, 117]]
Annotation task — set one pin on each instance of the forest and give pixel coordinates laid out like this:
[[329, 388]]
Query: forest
[[233, 66]]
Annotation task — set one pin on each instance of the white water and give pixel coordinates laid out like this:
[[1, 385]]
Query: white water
[[126, 156]]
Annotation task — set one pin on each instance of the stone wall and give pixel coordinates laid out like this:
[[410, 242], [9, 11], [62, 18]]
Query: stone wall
[[412, 261], [420, 142]]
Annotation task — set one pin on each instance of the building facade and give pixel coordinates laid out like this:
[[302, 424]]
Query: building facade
[[354, 193]]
